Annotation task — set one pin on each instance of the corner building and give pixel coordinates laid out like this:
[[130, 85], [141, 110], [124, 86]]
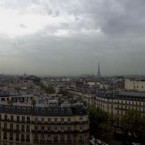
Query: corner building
[[23, 124], [120, 102]]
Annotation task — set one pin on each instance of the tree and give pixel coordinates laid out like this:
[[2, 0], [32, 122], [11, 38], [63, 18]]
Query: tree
[[63, 92], [50, 89], [100, 125], [133, 126]]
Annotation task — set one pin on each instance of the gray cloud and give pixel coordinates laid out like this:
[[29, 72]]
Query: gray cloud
[[110, 32]]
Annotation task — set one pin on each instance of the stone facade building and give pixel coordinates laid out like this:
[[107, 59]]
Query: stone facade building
[[120, 102], [37, 124], [135, 85]]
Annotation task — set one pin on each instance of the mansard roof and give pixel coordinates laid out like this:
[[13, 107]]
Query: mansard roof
[[42, 111]]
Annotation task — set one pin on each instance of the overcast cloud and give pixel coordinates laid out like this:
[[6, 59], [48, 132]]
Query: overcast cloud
[[69, 37]]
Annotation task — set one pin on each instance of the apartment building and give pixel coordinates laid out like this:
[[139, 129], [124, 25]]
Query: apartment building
[[120, 102], [41, 124], [136, 85]]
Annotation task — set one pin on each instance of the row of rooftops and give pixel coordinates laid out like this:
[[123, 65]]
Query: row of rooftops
[[44, 105], [4, 93], [124, 95], [43, 109], [111, 93]]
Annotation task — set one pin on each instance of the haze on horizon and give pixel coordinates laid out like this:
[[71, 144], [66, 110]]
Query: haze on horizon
[[71, 37]]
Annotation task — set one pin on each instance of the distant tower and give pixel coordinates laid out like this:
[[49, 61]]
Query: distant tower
[[99, 73]]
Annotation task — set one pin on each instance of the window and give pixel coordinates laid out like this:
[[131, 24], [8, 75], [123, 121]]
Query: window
[[5, 117], [13, 108], [62, 128], [42, 136], [68, 128], [28, 109], [55, 128], [22, 127], [23, 118], [55, 119], [17, 136], [17, 126], [81, 137], [11, 126], [5, 135], [81, 128], [62, 138], [36, 136], [49, 137], [42, 119], [42, 110], [11, 136], [3, 99], [28, 119], [55, 111], [36, 119], [69, 138], [28, 138], [5, 125], [22, 137], [49, 119], [62, 119], [68, 110], [12, 118], [18, 109], [62, 111], [69, 119], [18, 118], [42, 128], [55, 138], [36, 127], [49, 128], [121, 112], [23, 109], [28, 128]]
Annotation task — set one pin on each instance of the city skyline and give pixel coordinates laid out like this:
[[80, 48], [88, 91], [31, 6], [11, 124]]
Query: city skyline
[[70, 37]]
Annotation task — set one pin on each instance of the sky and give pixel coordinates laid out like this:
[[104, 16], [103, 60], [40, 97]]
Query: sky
[[70, 37]]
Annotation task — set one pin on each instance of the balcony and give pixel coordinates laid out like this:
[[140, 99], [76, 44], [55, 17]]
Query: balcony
[[42, 141], [22, 130], [49, 141], [27, 130], [59, 123], [36, 140], [16, 121], [22, 140]]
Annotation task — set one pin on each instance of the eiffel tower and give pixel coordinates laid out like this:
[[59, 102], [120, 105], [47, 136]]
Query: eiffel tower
[[99, 73]]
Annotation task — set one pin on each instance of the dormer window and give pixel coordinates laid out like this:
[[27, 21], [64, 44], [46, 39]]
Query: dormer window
[[49, 111], [18, 109], [36, 109], [23, 109], [68, 111], [62, 111], [55, 111], [42, 110], [28, 109]]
